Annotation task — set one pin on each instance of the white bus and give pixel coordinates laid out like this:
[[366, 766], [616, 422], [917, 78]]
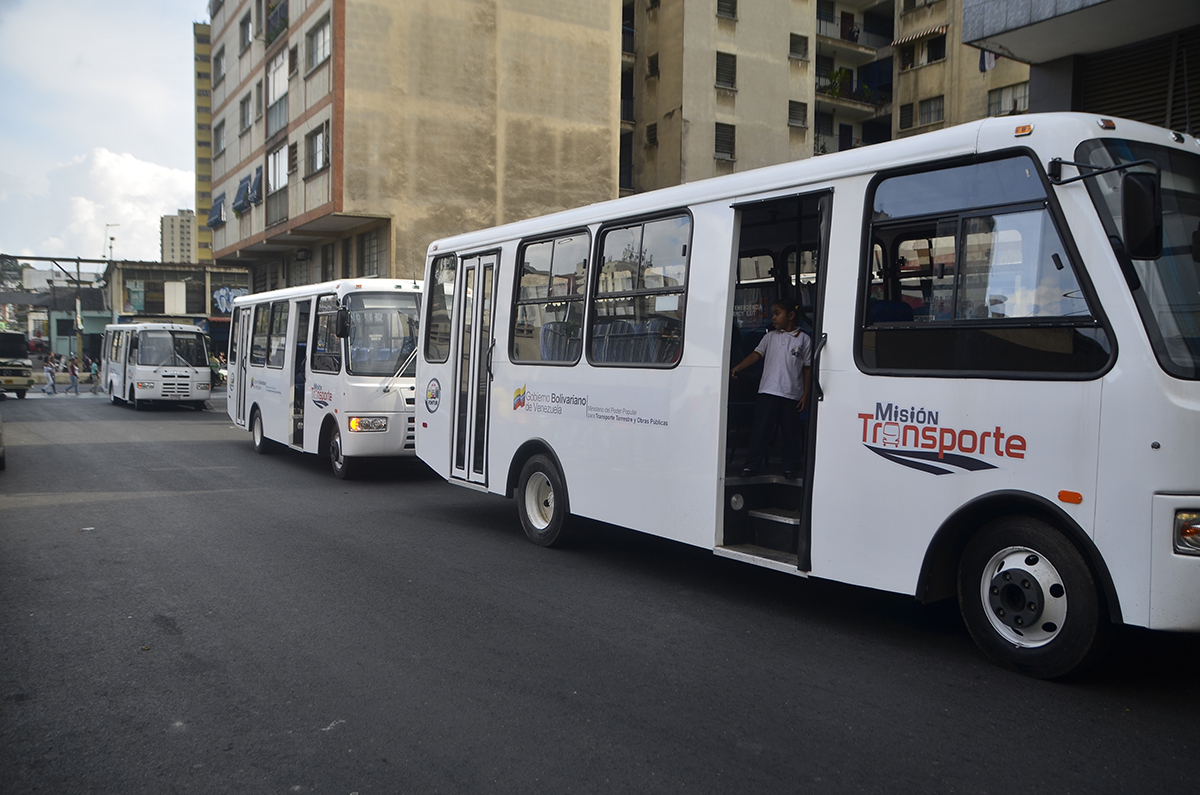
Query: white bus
[[142, 363], [1006, 373], [327, 369]]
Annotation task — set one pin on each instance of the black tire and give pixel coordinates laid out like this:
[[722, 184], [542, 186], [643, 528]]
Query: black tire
[[542, 503], [343, 466], [3, 463], [1030, 600], [262, 445], [112, 396], [198, 405], [21, 394], [138, 405]]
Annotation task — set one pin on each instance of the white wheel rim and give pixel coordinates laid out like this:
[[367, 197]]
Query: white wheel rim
[[539, 500], [335, 451], [1015, 579], [258, 434]]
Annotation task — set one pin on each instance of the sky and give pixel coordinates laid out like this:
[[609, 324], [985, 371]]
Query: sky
[[97, 127]]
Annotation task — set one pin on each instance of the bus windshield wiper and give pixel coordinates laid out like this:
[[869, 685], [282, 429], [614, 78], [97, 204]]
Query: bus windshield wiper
[[388, 386]]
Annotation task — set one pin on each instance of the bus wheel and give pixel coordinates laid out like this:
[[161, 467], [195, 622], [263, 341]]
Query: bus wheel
[[262, 445], [342, 465], [112, 396], [21, 394], [1029, 599], [138, 405], [542, 502]]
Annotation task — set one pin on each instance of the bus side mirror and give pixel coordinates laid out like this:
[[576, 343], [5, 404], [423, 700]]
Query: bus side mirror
[[343, 323], [1141, 215]]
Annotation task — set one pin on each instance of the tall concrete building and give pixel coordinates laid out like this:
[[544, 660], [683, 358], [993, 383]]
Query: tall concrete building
[[177, 237], [712, 87], [348, 134], [203, 87]]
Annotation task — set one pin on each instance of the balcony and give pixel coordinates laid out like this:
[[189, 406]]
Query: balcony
[[277, 206], [839, 85], [277, 115], [853, 34], [627, 38], [277, 21], [627, 109]]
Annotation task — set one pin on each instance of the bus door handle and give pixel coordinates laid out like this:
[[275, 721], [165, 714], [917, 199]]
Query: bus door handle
[[491, 348], [816, 378]]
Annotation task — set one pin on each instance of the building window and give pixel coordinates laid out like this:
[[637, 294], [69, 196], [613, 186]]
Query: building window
[[258, 97], [906, 116], [824, 65], [651, 135], [293, 157], [218, 66], [203, 76], [293, 60], [726, 70], [826, 11], [277, 87], [931, 110], [908, 57], [1009, 100], [244, 32], [637, 310], [318, 44], [368, 253], [797, 114], [935, 49], [316, 149], [277, 171], [327, 271], [726, 140], [548, 312], [244, 113], [218, 135], [652, 65], [799, 47], [727, 9]]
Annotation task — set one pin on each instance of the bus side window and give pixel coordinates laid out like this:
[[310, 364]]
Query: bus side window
[[440, 291], [968, 274], [277, 334], [326, 347], [258, 343], [548, 301]]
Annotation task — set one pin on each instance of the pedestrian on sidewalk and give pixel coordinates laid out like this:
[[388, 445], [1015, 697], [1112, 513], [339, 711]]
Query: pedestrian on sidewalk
[[73, 371], [95, 375], [48, 369]]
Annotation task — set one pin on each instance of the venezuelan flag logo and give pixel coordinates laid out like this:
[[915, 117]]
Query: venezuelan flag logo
[[519, 398]]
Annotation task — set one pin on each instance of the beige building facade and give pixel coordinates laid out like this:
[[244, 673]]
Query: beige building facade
[[348, 134], [202, 56], [177, 237], [712, 87]]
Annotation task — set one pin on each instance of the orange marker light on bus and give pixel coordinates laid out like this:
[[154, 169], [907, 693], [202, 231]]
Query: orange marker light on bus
[[1106, 124], [1024, 129], [1073, 497]]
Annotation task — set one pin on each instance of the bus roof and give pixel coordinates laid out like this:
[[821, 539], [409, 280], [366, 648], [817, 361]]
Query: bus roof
[[340, 287], [153, 327], [1050, 134]]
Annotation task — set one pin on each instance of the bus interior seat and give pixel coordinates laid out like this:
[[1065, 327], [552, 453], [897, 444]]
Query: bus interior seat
[[556, 344], [880, 311]]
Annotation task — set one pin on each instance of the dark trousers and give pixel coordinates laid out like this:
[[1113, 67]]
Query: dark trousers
[[769, 411]]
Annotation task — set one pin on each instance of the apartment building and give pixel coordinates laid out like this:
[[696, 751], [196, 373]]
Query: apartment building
[[177, 237], [202, 55], [940, 81], [348, 134], [712, 87]]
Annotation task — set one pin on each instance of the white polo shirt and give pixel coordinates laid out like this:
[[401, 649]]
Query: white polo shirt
[[785, 355]]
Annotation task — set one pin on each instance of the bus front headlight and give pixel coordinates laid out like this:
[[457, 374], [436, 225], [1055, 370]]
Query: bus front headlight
[[145, 385], [359, 424], [1187, 532]]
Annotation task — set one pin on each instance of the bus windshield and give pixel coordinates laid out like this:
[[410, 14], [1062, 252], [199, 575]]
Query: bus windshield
[[1169, 301], [178, 348], [12, 345], [383, 332]]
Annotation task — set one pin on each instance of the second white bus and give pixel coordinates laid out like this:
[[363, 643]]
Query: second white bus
[[145, 363], [327, 369], [1005, 387]]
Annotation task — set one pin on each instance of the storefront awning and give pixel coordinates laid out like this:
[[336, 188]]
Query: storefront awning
[[216, 216], [940, 29]]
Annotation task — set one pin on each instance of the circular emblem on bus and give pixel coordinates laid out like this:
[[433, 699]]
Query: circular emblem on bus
[[433, 395]]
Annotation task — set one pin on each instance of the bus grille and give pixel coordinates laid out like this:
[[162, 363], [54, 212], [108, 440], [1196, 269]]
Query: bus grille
[[18, 373], [180, 385], [410, 435]]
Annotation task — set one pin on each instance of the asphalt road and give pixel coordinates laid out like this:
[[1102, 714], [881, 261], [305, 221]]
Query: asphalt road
[[178, 614]]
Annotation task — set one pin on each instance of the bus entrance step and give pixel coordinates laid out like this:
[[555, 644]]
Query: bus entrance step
[[776, 515]]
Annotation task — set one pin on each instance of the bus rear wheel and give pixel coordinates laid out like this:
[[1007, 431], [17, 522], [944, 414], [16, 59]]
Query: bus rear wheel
[[1029, 599], [342, 465], [21, 394], [262, 445], [542, 502]]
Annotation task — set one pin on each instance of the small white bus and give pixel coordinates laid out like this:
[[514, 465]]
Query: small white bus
[[1005, 373], [143, 363], [327, 369]]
